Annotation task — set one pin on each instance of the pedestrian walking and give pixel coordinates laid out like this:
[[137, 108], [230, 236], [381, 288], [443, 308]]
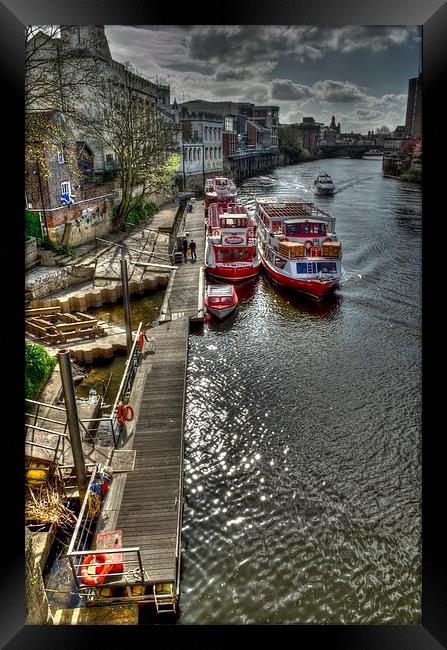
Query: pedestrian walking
[[141, 339], [185, 248], [192, 248]]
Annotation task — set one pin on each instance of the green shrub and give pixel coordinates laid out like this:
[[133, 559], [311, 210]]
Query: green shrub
[[32, 224], [38, 367], [413, 175], [140, 211]]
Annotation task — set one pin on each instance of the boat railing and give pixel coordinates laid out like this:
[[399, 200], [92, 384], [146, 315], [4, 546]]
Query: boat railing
[[313, 252]]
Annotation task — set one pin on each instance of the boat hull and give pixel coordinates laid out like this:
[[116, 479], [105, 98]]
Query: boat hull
[[324, 192], [233, 274], [221, 312], [313, 287]]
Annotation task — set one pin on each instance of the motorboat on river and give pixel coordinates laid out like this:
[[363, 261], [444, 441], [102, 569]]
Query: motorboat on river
[[219, 190], [297, 245], [323, 184], [221, 300], [230, 246]]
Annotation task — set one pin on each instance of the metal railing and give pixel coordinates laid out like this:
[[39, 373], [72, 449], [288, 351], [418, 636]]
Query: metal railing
[[82, 545]]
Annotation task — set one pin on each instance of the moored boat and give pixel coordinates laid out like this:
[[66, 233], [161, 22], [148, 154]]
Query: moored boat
[[297, 245], [323, 184], [221, 300], [219, 190], [230, 246]]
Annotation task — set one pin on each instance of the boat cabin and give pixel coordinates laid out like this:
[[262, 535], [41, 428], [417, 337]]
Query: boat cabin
[[233, 220], [306, 228]]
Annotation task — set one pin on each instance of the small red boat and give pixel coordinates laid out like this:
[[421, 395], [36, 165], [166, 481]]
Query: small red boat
[[221, 300]]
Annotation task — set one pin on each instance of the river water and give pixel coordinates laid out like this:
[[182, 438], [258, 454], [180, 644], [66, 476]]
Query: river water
[[303, 428]]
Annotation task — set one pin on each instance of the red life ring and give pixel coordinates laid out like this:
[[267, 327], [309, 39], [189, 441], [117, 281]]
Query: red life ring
[[102, 568], [128, 413]]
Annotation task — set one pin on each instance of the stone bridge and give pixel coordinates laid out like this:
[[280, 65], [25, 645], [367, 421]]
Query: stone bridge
[[354, 150]]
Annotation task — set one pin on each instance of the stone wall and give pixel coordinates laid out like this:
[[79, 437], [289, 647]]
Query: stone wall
[[36, 602], [30, 250], [81, 222], [44, 281]]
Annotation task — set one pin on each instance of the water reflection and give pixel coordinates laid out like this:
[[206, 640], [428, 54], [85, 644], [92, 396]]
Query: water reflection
[[302, 435]]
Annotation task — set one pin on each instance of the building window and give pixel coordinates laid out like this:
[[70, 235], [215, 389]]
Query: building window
[[215, 152], [189, 154], [60, 157], [199, 154], [195, 154], [220, 152], [206, 153]]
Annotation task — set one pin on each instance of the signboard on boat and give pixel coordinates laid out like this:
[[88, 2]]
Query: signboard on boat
[[233, 238]]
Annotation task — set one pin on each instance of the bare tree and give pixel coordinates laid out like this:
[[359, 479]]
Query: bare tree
[[126, 121], [58, 75]]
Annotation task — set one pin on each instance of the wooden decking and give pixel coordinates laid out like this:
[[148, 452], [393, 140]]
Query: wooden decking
[[148, 509]]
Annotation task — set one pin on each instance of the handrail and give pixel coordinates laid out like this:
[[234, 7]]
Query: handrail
[[51, 406], [128, 376]]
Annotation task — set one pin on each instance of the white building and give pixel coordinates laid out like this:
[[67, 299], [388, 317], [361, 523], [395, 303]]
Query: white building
[[202, 146]]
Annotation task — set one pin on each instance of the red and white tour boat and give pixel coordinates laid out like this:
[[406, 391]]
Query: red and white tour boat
[[297, 245], [230, 246], [219, 190], [221, 299]]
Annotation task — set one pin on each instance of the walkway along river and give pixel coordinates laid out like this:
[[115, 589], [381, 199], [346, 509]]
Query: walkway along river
[[302, 443]]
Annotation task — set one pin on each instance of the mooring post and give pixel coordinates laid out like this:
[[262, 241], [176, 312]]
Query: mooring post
[[126, 302], [73, 420]]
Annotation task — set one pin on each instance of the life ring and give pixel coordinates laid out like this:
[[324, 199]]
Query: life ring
[[102, 568], [128, 413]]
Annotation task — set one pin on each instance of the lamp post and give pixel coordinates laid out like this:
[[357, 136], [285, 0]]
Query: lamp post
[[183, 164], [126, 302], [73, 420]]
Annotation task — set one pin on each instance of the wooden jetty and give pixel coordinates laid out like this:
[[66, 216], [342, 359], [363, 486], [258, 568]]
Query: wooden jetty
[[145, 505]]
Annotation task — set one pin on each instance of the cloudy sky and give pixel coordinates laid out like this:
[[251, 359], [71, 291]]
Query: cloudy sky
[[357, 73]]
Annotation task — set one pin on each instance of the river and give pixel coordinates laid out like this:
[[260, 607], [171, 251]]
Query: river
[[303, 428]]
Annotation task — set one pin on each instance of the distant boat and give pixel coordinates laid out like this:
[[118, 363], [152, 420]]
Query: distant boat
[[323, 184], [221, 300], [219, 190]]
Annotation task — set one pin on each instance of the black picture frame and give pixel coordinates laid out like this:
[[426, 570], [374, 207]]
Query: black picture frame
[[432, 14]]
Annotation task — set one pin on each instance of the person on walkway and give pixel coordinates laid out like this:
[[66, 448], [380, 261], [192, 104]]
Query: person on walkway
[[192, 248], [141, 339], [185, 248]]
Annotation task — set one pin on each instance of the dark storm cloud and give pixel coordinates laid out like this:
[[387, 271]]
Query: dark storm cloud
[[286, 89], [245, 44], [326, 91], [317, 70]]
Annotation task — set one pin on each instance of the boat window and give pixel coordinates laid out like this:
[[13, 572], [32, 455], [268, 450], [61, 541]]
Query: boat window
[[280, 263], [327, 267], [301, 267], [234, 254]]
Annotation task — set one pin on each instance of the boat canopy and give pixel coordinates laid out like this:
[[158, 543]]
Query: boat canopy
[[215, 290]]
